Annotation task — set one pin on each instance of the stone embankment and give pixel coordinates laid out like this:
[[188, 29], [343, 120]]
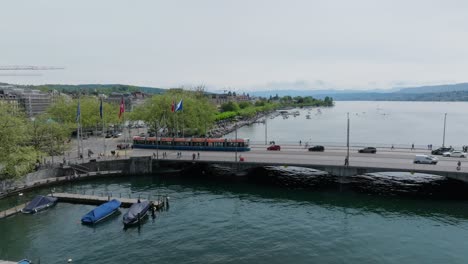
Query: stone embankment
[[227, 126]]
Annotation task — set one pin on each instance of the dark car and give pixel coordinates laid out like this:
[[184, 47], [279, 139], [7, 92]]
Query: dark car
[[274, 147], [442, 150], [123, 146], [368, 150], [317, 148]]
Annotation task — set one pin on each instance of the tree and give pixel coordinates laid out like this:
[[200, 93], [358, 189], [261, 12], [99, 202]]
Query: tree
[[196, 118], [64, 111], [48, 136], [230, 106], [16, 157]]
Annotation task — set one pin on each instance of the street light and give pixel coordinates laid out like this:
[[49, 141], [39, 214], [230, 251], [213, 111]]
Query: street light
[[347, 143], [445, 123], [236, 142]]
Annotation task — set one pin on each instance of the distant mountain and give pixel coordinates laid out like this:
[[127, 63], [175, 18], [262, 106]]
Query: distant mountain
[[436, 88], [450, 92]]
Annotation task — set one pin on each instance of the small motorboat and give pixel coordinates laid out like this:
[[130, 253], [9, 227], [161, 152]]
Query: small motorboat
[[39, 203], [136, 212], [24, 261], [101, 212]]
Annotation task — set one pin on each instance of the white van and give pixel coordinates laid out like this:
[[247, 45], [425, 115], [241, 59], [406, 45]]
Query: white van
[[425, 159]]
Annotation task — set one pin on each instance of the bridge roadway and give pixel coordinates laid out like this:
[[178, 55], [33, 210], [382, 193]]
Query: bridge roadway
[[290, 154]]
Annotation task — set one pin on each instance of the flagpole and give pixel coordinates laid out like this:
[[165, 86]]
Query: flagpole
[[78, 129]]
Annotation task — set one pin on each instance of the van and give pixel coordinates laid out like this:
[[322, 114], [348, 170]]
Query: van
[[425, 159]]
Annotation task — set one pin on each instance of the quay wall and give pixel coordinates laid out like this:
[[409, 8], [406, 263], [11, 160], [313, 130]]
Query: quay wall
[[147, 165]]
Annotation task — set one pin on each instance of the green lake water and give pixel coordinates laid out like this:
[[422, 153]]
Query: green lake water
[[213, 222]]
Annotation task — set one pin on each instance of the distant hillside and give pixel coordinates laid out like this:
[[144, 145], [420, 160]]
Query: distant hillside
[[436, 88], [452, 92], [100, 88]]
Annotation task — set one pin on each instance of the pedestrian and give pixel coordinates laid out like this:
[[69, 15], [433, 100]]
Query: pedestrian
[[193, 156], [458, 165], [412, 146], [393, 147], [300, 142], [346, 161], [198, 155], [154, 155]]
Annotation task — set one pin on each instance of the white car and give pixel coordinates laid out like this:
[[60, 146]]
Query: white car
[[455, 153]]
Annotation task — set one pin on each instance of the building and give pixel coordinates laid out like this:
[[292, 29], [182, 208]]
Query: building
[[34, 102], [219, 99]]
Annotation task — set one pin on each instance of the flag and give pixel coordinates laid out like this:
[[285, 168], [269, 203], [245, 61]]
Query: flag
[[173, 106], [78, 112], [100, 109], [122, 107], [179, 106]]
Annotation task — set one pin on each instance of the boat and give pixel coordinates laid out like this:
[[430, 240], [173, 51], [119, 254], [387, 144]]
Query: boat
[[101, 212], [24, 261], [39, 203], [194, 144], [136, 212]]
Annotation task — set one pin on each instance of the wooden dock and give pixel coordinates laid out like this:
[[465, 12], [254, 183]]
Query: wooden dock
[[87, 199], [7, 262], [11, 212], [97, 200]]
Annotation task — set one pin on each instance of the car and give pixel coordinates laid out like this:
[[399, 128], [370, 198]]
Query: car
[[425, 159], [317, 148], [108, 135], [123, 146], [116, 135], [274, 147], [368, 150], [455, 153], [441, 150]]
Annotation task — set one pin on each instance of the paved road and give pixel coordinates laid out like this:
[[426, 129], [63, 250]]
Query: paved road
[[289, 154]]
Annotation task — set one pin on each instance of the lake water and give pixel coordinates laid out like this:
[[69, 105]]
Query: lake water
[[216, 222], [371, 123]]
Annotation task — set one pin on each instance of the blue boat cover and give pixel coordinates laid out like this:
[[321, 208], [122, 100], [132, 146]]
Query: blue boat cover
[[24, 261], [39, 202], [101, 212]]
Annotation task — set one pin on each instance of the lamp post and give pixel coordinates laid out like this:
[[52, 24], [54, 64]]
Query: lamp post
[[236, 142], [445, 123], [266, 130], [347, 142]]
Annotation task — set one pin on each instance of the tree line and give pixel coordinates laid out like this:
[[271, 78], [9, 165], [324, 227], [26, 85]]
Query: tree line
[[24, 141]]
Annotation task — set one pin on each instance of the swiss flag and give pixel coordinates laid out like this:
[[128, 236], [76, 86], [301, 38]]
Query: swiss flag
[[122, 107]]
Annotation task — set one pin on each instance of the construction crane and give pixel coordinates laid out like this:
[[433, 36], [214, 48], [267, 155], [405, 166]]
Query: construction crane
[[29, 68]]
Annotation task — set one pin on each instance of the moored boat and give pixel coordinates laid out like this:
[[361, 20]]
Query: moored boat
[[24, 261], [101, 212], [39, 203], [136, 212]]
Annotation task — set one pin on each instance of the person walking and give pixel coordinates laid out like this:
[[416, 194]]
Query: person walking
[[198, 155], [458, 165], [193, 156], [412, 146], [346, 161]]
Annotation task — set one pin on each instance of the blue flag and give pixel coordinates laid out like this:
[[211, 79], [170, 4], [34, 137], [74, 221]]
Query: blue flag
[[100, 109], [179, 106], [78, 112]]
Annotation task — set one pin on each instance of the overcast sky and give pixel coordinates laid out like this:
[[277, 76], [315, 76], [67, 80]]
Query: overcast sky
[[238, 44]]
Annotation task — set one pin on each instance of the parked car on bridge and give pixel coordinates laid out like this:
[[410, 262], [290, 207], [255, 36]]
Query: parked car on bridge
[[441, 151], [274, 147], [455, 153], [368, 150], [123, 146], [425, 159], [317, 148]]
